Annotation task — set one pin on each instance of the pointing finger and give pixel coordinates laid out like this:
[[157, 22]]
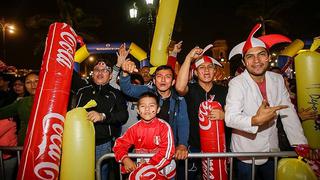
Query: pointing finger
[[276, 108]]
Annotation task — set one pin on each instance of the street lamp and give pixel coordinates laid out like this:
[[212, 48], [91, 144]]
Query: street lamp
[[5, 27], [133, 12]]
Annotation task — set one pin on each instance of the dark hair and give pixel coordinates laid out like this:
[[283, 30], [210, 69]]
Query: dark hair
[[149, 94], [21, 78], [267, 50], [108, 63], [165, 67], [6, 77], [32, 72]]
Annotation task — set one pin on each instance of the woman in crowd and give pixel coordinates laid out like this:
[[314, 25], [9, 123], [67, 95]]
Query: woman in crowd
[[22, 108]]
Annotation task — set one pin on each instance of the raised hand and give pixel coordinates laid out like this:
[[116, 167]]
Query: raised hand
[[177, 47], [122, 55], [194, 54], [266, 113], [128, 67]]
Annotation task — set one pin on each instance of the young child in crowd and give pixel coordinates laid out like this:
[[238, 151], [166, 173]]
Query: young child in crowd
[[149, 135]]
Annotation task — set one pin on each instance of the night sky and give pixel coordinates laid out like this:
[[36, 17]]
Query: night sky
[[198, 22]]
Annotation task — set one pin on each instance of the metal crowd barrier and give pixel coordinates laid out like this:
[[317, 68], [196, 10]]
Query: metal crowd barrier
[[17, 149], [252, 155]]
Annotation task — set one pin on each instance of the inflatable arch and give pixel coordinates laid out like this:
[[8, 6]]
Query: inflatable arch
[[108, 48]]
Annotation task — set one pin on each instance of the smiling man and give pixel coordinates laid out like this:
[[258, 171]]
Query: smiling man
[[111, 110], [254, 100]]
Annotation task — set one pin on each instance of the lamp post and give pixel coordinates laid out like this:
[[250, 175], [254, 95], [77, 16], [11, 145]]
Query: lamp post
[[4, 27], [149, 19]]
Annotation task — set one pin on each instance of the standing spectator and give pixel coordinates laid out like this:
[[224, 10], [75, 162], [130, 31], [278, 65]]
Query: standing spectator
[[195, 94], [145, 73], [111, 110], [254, 100], [149, 135], [173, 107], [22, 108], [19, 88]]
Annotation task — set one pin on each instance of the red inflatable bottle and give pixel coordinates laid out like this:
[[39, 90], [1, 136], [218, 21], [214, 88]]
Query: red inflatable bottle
[[42, 146], [212, 139]]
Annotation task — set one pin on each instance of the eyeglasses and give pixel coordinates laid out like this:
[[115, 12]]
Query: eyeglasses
[[104, 70]]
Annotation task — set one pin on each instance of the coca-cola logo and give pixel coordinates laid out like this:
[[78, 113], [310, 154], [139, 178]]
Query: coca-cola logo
[[50, 147], [203, 115], [145, 172], [67, 49]]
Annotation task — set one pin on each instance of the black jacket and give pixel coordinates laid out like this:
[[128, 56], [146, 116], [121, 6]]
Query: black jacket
[[110, 101]]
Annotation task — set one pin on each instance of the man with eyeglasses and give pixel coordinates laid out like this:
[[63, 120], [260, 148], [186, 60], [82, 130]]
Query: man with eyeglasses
[[111, 110], [255, 99]]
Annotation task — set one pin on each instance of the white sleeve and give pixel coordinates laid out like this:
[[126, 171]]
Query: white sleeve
[[290, 120], [113, 81]]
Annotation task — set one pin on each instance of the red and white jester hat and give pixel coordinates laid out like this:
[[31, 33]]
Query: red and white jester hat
[[266, 41], [206, 58]]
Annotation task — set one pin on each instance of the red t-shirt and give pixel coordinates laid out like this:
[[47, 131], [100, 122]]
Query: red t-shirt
[[263, 89]]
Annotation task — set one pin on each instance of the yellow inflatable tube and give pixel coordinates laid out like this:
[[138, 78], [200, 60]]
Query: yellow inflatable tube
[[78, 146], [163, 31], [137, 52], [308, 92], [81, 54], [293, 48]]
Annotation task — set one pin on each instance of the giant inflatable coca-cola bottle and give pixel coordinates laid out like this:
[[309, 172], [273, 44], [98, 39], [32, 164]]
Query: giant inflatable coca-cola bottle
[[42, 146]]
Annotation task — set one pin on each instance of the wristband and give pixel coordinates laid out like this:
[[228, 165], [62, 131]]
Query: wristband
[[103, 116]]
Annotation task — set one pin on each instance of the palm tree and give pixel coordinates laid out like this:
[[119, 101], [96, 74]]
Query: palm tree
[[69, 14], [267, 12]]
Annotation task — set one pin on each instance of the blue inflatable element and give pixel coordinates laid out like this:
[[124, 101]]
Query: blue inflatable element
[[107, 48], [76, 67]]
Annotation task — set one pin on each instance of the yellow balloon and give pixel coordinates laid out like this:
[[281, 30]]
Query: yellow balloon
[[294, 169], [163, 31], [307, 66], [78, 146]]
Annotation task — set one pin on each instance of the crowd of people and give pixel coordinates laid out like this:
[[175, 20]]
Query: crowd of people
[[159, 113]]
